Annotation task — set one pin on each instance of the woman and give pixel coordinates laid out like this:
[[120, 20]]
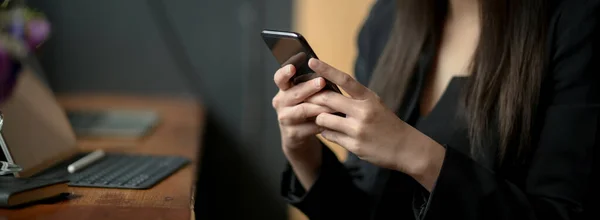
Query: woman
[[475, 109]]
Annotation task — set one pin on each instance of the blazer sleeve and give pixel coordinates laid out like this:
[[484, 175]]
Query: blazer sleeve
[[334, 195], [557, 182]]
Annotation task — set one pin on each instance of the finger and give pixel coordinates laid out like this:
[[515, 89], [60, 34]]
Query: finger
[[336, 123], [335, 101], [337, 137], [301, 131], [343, 80], [283, 75], [302, 91], [296, 60], [301, 113]]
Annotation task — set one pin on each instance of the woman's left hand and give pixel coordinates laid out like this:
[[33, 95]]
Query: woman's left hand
[[372, 131]]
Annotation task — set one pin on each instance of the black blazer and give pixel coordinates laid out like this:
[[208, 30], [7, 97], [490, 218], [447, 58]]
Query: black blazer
[[558, 182]]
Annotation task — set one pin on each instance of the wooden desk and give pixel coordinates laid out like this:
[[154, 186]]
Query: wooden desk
[[178, 134]]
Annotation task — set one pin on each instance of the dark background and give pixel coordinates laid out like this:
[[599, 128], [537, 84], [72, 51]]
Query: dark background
[[118, 46]]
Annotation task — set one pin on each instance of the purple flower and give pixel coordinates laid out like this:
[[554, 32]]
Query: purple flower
[[36, 32], [33, 32]]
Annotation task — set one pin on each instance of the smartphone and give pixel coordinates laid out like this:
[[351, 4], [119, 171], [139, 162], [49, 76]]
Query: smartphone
[[291, 48]]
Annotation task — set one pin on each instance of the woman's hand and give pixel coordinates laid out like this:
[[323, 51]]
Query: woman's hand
[[296, 123], [293, 112], [372, 131]]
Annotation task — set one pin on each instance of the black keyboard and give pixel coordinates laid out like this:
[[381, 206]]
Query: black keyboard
[[120, 171]]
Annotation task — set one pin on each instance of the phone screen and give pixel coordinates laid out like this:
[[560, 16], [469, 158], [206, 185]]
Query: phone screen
[[287, 50]]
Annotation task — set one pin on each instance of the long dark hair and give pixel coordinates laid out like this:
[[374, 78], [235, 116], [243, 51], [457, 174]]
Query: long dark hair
[[503, 90]]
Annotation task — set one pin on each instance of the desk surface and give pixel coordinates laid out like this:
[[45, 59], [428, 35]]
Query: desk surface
[[177, 134]]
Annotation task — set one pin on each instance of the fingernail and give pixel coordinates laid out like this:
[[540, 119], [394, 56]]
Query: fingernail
[[315, 62], [318, 82], [317, 120], [289, 69]]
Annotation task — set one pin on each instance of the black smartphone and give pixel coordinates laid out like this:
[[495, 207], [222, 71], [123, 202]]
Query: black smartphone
[[291, 48]]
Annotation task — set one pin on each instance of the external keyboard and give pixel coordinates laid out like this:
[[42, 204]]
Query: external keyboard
[[121, 171]]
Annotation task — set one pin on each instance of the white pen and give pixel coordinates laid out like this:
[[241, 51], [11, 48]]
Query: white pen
[[85, 161]]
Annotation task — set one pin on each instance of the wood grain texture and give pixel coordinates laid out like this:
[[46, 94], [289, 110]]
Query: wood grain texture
[[97, 212], [177, 134]]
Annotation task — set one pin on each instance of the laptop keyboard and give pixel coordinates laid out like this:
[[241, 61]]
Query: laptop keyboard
[[122, 171]]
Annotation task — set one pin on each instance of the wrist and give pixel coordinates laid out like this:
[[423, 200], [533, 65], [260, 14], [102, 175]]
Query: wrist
[[309, 152], [425, 161], [306, 162]]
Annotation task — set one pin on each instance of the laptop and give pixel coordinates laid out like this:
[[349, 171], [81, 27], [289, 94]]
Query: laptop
[[40, 139]]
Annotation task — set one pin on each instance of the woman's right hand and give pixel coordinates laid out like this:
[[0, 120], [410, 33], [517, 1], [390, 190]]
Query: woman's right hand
[[296, 123]]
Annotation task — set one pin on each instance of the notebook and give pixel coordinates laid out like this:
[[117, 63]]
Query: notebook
[[20, 191]]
